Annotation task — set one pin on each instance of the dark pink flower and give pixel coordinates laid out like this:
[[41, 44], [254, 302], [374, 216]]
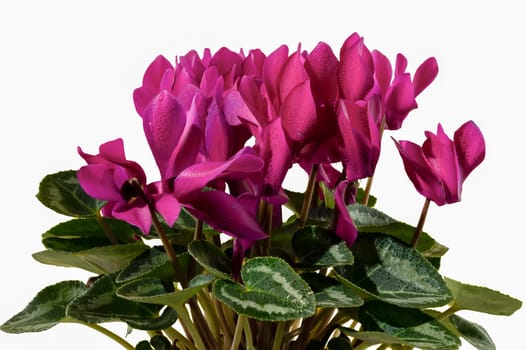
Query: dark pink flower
[[439, 168], [345, 228], [399, 95], [110, 177], [360, 136]]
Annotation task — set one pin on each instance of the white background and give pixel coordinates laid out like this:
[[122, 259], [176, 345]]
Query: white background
[[68, 69]]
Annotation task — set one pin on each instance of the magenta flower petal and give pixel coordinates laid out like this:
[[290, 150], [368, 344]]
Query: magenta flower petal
[[470, 147], [399, 101], [163, 123], [196, 177], [292, 74], [298, 114], [439, 151], [345, 228], [400, 65], [226, 214], [276, 153], [425, 180], [383, 71], [322, 66], [136, 214], [425, 74], [98, 181], [168, 206], [355, 75], [155, 79], [272, 71]]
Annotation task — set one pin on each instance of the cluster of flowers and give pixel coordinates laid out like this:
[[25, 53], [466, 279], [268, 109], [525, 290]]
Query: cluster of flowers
[[313, 108]]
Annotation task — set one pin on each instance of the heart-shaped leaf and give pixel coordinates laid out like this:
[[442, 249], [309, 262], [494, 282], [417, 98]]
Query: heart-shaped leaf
[[330, 293], [152, 291], [213, 259], [474, 333], [395, 273], [319, 247], [86, 233], [409, 325], [47, 308], [481, 299], [152, 263], [272, 291], [62, 193], [99, 260], [368, 219], [101, 304]]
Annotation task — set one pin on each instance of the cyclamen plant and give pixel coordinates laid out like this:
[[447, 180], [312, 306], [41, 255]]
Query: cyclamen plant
[[203, 258]]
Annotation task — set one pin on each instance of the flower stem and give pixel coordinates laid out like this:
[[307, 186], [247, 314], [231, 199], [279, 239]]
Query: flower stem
[[237, 333], [248, 335], [278, 338], [174, 335], [309, 194], [190, 326], [107, 230], [109, 334], [420, 226], [367, 191]]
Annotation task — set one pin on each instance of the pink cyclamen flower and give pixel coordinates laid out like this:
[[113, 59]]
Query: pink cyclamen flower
[[399, 95], [440, 166], [110, 177]]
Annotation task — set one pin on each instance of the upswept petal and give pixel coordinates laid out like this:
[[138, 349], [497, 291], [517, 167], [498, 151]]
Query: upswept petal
[[400, 65], [322, 67], [157, 77], [218, 134], [425, 74], [345, 228], [439, 151], [355, 74], [470, 147], [399, 101], [195, 177], [298, 114], [97, 181], [164, 122], [293, 74], [226, 214], [253, 64], [419, 171], [276, 153], [360, 138], [193, 66], [383, 71], [272, 72], [255, 101], [189, 144]]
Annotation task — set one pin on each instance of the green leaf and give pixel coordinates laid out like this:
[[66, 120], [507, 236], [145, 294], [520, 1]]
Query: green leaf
[[101, 304], [160, 342], [481, 299], [373, 337], [371, 220], [152, 291], [85, 233], [62, 193], [272, 291], [395, 273], [99, 260], [152, 263], [409, 325], [47, 309], [143, 345], [213, 259], [165, 320], [295, 202], [315, 246], [330, 293], [474, 333], [360, 195]]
